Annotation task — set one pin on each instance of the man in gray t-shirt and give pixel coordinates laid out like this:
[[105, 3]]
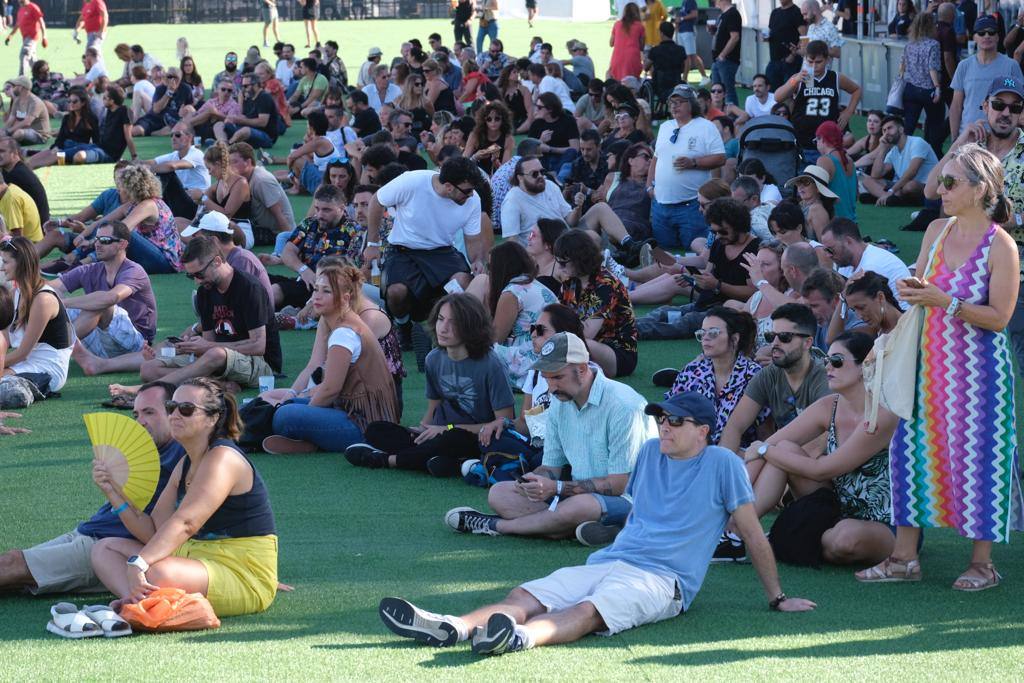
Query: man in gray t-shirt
[[271, 210], [974, 76]]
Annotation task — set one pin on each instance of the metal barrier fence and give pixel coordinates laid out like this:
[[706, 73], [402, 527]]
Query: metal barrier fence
[[65, 12]]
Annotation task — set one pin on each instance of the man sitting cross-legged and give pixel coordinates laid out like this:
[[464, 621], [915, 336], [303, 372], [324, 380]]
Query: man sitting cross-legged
[[239, 341], [117, 313], [62, 564], [684, 492], [596, 426]]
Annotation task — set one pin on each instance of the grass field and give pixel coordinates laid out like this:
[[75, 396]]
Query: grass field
[[351, 536]]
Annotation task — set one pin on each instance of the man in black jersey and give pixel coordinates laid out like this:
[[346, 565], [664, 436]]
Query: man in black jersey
[[815, 93]]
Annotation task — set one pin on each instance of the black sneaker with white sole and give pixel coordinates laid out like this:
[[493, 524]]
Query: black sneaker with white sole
[[409, 621], [365, 455], [731, 548], [498, 636], [665, 377], [594, 534], [469, 521], [421, 345]]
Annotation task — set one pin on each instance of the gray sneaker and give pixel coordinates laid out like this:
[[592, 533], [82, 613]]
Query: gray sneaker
[[498, 636], [409, 621], [594, 534]]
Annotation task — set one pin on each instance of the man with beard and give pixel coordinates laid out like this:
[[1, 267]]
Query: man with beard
[[999, 132], [239, 340], [596, 426], [791, 383], [908, 158], [230, 72]]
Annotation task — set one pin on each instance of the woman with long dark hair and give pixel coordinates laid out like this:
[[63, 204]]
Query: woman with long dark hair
[[816, 200], [191, 79], [516, 97], [492, 141], [78, 128], [212, 530], [870, 297]]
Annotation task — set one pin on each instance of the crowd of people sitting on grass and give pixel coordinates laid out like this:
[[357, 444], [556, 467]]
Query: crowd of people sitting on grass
[[600, 208]]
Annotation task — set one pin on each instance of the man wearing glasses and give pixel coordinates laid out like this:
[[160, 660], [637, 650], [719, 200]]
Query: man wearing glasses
[[973, 74], [687, 149], [221, 105], [185, 162], [258, 122], [239, 340], [116, 314], [168, 101]]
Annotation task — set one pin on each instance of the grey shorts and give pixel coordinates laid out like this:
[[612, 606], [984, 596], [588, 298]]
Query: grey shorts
[[119, 337], [31, 136], [268, 13], [240, 368], [63, 565]]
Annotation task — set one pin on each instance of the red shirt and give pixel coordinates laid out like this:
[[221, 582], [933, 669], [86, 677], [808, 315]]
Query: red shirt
[[28, 20], [92, 15]]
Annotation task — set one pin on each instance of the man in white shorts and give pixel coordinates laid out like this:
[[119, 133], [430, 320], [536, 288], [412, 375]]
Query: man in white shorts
[[684, 491], [62, 564], [116, 314]]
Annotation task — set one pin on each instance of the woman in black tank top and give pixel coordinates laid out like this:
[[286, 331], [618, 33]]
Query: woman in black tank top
[[490, 144], [516, 97], [223, 499]]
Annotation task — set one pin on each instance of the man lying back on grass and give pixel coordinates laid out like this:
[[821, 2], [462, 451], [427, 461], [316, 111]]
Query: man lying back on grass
[[684, 491]]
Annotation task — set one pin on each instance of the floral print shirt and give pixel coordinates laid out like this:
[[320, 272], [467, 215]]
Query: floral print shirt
[[314, 242], [604, 297], [163, 234], [699, 376]]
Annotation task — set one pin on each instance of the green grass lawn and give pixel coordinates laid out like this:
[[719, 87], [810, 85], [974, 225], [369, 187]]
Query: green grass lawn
[[351, 536]]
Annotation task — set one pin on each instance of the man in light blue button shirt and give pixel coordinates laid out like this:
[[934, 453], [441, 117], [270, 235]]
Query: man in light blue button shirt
[[596, 426]]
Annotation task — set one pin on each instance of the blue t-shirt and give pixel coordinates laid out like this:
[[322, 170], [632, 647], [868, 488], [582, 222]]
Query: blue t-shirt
[[916, 148], [687, 7], [680, 509], [106, 202], [106, 524]]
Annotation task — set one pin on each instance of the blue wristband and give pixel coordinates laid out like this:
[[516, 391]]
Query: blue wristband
[[121, 508]]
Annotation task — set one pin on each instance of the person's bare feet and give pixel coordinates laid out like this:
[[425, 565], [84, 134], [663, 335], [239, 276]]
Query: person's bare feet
[[116, 605], [87, 361], [233, 387], [128, 389]]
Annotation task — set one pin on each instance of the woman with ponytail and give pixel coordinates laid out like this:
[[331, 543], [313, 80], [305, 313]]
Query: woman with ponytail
[[962, 423], [212, 529], [346, 384], [841, 173], [228, 194]]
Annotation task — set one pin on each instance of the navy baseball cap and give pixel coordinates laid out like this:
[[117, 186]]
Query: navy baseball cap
[[986, 23], [686, 404], [1006, 84]]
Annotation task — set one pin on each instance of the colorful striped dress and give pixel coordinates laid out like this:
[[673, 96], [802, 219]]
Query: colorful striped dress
[[954, 462]]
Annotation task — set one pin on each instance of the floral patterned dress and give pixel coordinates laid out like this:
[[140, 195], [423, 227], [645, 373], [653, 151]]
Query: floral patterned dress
[[863, 493], [699, 376], [518, 352], [162, 234]]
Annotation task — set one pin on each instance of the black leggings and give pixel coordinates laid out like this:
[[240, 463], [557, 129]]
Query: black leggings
[[456, 445]]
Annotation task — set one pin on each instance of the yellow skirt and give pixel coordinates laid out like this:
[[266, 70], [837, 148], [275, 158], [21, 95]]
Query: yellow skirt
[[242, 572]]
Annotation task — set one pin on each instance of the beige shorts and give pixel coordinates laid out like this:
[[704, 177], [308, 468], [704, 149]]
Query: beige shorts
[[63, 565], [240, 368], [625, 596]]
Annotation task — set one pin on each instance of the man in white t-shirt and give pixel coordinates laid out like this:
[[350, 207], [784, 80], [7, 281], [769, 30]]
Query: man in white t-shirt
[[852, 254], [185, 159], [430, 210], [545, 82], [762, 101], [94, 68], [284, 69], [533, 196], [687, 149]]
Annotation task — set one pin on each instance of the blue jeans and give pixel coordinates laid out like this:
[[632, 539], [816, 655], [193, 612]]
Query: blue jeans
[[148, 255], [257, 138], [329, 428], [93, 153], [778, 72], [916, 99], [491, 31], [292, 87], [282, 239], [560, 164], [676, 226], [725, 73]]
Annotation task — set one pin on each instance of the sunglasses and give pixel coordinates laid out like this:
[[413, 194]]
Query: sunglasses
[[835, 360], [948, 181], [538, 329], [107, 239], [709, 334], [563, 262], [534, 174], [986, 32], [185, 408], [7, 245], [675, 420], [717, 91], [675, 136], [201, 273], [169, 77], [464, 192], [784, 337], [999, 105], [493, 119], [178, 134], [228, 90]]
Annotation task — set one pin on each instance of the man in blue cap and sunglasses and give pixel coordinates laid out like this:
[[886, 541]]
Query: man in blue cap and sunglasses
[[684, 493], [972, 77]]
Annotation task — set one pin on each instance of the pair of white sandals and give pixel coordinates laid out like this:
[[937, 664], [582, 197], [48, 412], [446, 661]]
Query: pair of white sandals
[[89, 622]]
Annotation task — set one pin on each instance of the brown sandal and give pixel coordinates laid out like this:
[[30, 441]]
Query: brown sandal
[[120, 402], [891, 570], [974, 584]]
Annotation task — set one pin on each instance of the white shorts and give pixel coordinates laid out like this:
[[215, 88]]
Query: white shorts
[[625, 596], [63, 565], [246, 228], [119, 338], [688, 41]]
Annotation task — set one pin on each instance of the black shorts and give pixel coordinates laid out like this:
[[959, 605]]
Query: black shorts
[[296, 292], [424, 272], [625, 361], [531, 4], [311, 10]]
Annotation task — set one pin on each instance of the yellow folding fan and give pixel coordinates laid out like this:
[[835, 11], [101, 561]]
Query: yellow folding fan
[[129, 452]]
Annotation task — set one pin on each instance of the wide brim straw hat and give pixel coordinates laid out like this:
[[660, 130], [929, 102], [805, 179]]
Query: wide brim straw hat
[[820, 178]]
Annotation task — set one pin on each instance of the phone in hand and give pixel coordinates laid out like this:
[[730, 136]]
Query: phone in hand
[[175, 340], [693, 270], [914, 282]]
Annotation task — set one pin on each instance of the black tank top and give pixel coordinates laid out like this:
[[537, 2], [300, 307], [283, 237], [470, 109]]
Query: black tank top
[[57, 332], [445, 101], [815, 104], [487, 164], [242, 516], [517, 106]]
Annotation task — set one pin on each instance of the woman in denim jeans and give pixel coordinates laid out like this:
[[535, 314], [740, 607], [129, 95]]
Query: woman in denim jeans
[[922, 60]]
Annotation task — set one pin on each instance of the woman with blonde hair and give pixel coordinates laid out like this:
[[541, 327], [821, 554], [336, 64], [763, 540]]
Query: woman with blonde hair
[[963, 426], [346, 383], [414, 101], [229, 193], [438, 94]]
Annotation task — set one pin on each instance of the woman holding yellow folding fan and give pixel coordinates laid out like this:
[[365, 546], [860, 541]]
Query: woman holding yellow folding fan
[[212, 530]]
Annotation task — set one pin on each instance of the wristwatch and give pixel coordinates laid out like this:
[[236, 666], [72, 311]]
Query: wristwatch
[[762, 450], [779, 599], [759, 283], [138, 563]]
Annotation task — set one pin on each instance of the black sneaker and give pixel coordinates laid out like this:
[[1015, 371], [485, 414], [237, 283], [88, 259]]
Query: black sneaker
[[665, 377], [405, 335], [444, 466], [469, 521], [498, 636], [365, 455], [409, 621], [594, 534], [55, 268], [421, 345], [730, 549]]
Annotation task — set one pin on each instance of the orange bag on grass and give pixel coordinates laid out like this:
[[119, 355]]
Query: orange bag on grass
[[171, 609]]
